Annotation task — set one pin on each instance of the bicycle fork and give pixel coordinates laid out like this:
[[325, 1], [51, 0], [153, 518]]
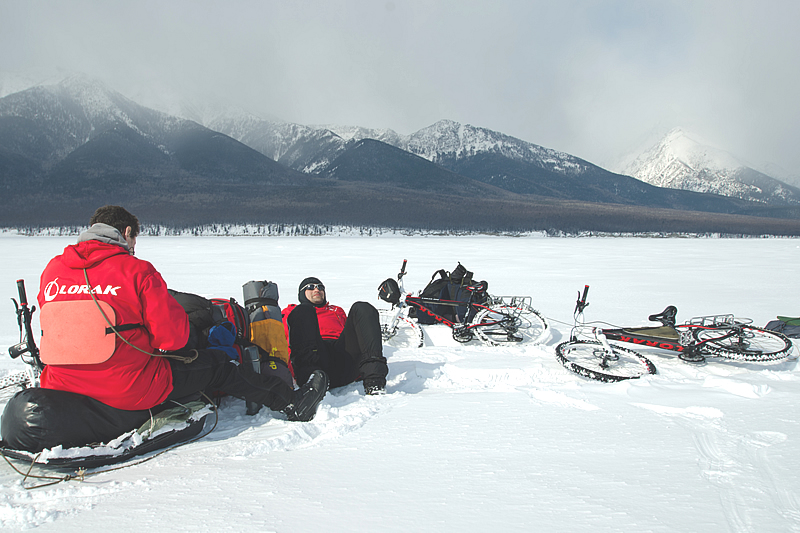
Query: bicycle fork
[[606, 353]]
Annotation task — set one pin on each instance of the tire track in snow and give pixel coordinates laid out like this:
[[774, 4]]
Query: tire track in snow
[[736, 464]]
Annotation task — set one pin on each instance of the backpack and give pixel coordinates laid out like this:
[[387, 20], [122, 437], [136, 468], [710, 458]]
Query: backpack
[[266, 325], [266, 329], [457, 285], [217, 323], [223, 324]]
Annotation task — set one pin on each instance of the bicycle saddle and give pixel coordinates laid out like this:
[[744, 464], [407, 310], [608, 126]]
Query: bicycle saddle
[[666, 317]]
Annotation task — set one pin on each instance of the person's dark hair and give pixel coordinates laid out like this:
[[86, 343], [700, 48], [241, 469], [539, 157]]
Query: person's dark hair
[[117, 217]]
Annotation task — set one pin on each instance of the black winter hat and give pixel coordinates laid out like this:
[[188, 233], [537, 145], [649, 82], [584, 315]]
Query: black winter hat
[[301, 294]]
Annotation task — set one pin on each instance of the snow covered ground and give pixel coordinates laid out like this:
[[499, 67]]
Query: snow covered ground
[[470, 437]]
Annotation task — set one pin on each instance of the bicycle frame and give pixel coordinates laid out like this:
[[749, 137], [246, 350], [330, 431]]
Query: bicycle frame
[[639, 338], [669, 336], [508, 320], [422, 306], [685, 343]]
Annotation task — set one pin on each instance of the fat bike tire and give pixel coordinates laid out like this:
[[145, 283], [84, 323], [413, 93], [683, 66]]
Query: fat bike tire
[[748, 344], [503, 324], [405, 334], [12, 384], [585, 358]]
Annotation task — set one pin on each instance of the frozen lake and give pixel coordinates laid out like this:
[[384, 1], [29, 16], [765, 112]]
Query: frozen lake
[[471, 437]]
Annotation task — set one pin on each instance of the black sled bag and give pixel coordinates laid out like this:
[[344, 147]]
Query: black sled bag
[[38, 419]]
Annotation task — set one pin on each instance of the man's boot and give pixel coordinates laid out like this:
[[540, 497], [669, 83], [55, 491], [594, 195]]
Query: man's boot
[[307, 398]]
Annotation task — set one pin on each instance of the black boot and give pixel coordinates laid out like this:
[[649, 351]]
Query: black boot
[[375, 387], [307, 398]]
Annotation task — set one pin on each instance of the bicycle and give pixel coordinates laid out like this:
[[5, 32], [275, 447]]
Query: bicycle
[[494, 320], [26, 349], [701, 337]]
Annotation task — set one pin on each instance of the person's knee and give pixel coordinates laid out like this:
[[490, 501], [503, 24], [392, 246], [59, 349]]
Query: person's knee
[[363, 308]]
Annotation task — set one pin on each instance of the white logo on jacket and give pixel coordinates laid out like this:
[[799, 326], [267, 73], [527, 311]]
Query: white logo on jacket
[[53, 289]]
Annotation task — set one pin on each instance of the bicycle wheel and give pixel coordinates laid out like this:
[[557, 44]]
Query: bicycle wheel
[[501, 324], [591, 359], [12, 384], [743, 343], [404, 333]]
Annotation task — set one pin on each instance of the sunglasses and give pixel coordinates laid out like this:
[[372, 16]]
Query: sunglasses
[[312, 286]]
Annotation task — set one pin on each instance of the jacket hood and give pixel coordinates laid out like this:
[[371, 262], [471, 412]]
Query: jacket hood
[[96, 244], [104, 233]]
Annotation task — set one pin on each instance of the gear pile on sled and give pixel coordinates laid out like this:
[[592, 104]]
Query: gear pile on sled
[[67, 431]]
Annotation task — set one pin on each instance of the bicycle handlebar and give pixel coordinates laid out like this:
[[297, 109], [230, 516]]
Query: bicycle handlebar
[[23, 297], [402, 269], [24, 318], [581, 304]]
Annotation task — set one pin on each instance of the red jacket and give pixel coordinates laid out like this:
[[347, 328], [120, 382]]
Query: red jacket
[[137, 293], [331, 321]]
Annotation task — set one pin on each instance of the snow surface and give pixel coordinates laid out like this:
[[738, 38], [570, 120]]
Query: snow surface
[[470, 438]]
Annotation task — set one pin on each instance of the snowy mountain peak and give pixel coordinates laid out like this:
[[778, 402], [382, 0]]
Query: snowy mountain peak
[[681, 160], [697, 153], [447, 139], [356, 133], [677, 156], [96, 99]]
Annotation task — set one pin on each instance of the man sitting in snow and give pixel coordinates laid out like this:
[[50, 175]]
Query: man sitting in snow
[[322, 337], [132, 364]]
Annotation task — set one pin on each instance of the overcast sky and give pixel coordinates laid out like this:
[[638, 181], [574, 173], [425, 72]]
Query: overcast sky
[[591, 78]]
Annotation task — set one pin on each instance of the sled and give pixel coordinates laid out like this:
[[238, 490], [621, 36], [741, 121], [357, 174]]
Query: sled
[[66, 431]]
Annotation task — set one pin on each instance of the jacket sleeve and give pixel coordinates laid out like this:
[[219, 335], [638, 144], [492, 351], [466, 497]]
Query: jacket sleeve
[[285, 318], [164, 317]]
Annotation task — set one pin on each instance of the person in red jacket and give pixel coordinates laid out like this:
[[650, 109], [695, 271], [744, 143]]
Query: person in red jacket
[[111, 331], [322, 337]]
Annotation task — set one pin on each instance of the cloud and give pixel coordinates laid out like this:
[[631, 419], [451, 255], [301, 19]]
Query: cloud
[[589, 77]]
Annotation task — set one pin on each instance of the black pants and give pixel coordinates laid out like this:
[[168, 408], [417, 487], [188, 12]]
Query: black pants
[[213, 370], [356, 354]]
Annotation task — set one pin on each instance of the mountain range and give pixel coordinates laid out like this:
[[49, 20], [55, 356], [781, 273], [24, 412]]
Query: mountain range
[[67, 147]]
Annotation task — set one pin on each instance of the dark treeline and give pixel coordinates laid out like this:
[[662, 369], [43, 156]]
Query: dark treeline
[[328, 202]]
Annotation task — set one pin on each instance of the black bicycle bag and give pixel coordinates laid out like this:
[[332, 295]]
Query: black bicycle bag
[[389, 291]]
